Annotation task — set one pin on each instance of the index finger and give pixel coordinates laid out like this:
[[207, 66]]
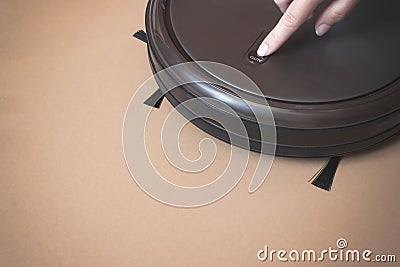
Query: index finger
[[297, 13]]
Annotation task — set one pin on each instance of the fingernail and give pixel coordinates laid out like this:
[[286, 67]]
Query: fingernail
[[262, 50], [322, 29]]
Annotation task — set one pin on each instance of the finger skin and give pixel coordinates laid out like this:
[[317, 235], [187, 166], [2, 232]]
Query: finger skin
[[283, 4], [335, 12], [297, 13]]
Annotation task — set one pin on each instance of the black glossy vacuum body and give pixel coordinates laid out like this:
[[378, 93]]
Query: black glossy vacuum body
[[329, 96]]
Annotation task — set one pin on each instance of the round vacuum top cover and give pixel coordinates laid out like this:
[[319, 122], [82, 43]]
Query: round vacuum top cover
[[358, 57]]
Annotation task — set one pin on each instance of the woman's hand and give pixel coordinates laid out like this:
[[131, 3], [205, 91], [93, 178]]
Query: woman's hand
[[295, 13]]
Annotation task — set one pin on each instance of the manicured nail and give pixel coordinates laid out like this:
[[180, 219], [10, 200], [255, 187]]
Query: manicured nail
[[322, 29], [262, 50]]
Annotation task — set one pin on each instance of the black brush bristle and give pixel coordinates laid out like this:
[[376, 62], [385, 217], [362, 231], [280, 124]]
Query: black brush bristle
[[141, 35], [324, 178], [155, 99]]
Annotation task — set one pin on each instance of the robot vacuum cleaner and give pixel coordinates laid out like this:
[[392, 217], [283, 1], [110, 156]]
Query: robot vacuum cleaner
[[329, 95]]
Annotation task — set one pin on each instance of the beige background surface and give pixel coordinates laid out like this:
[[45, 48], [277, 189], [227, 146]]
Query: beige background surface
[[67, 72]]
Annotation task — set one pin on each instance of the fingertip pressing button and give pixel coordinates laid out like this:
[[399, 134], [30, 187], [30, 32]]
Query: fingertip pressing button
[[256, 59]]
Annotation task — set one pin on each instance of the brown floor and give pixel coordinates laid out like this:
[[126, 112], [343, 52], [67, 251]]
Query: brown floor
[[67, 72]]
